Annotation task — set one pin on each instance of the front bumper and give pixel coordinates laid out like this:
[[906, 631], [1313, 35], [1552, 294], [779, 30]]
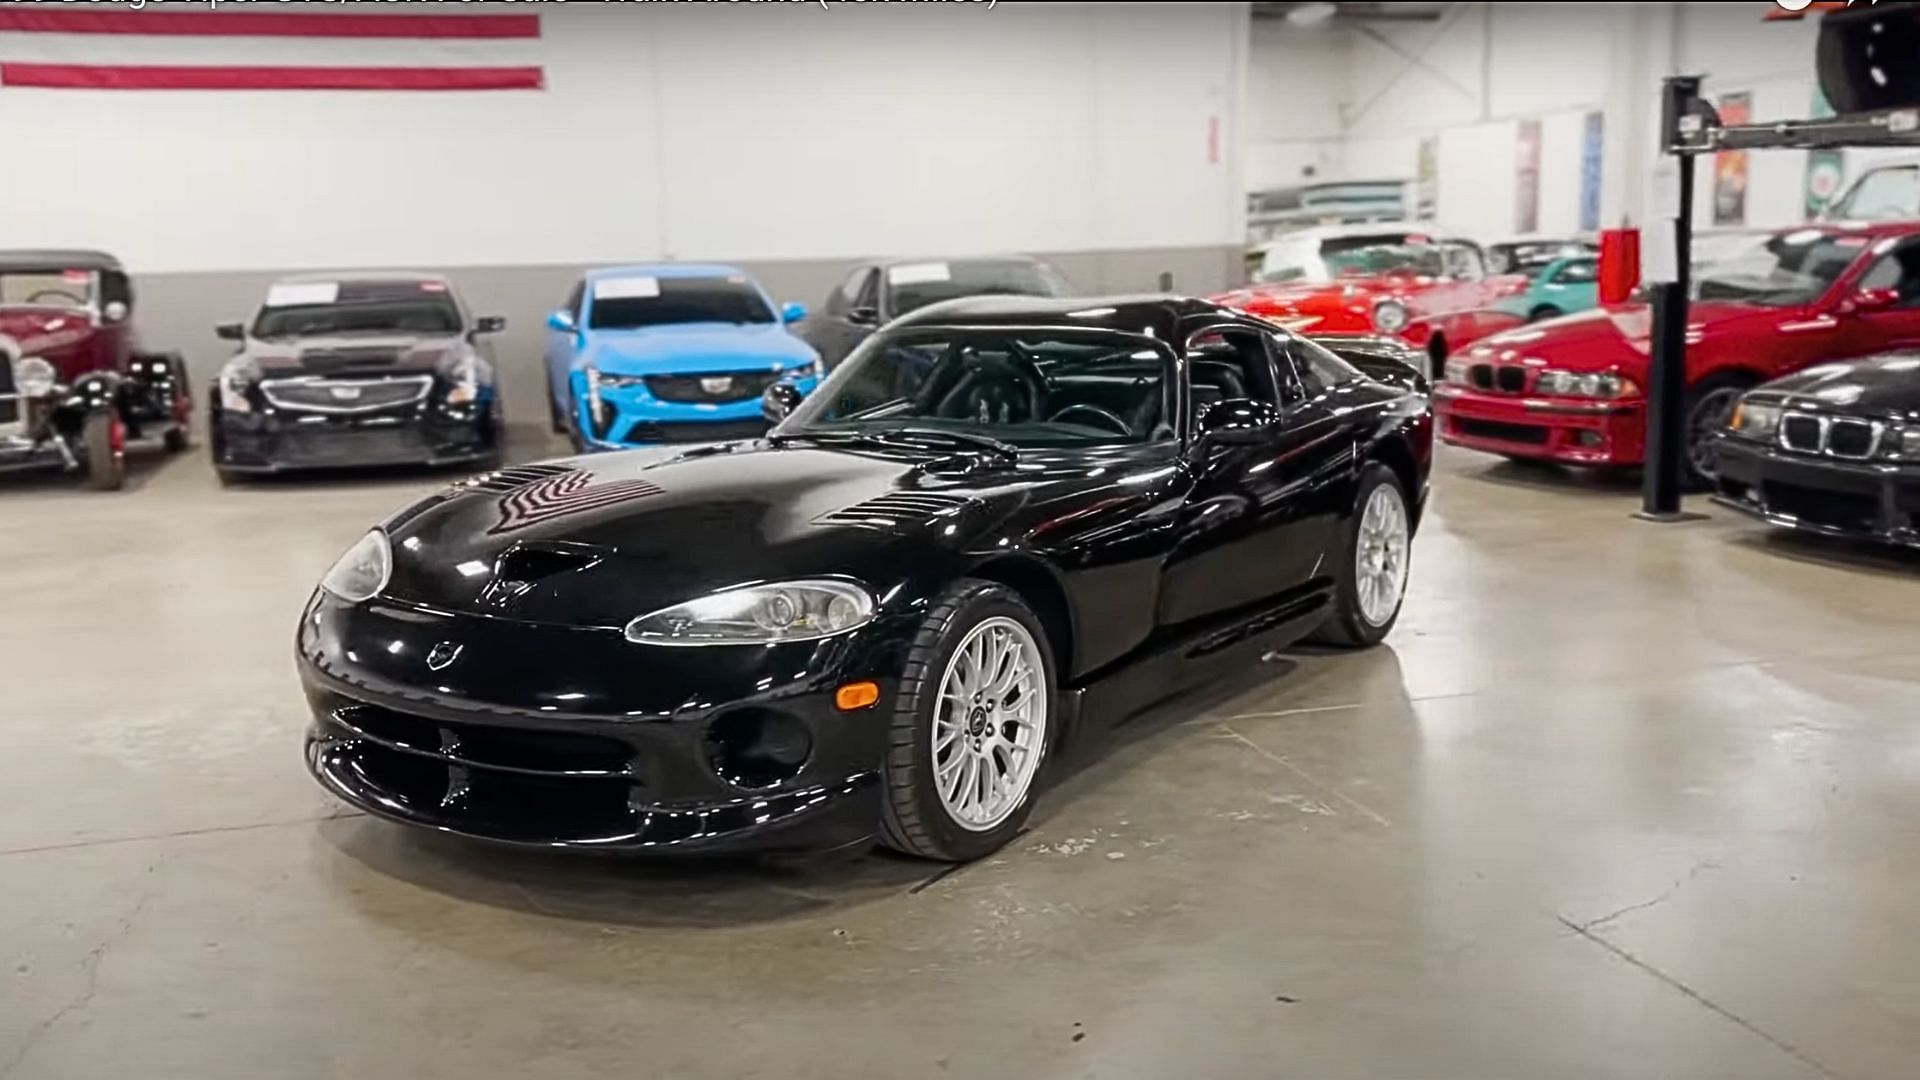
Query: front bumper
[[18, 454], [1591, 433], [1879, 502], [286, 440], [621, 417], [556, 736]]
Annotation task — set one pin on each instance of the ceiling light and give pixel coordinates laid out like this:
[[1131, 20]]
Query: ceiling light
[[1310, 14]]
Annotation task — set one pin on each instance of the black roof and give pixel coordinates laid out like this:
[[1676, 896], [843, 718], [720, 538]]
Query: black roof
[[960, 260], [57, 259], [1149, 314]]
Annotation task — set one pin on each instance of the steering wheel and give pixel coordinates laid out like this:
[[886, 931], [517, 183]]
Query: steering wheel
[[61, 293], [1120, 426]]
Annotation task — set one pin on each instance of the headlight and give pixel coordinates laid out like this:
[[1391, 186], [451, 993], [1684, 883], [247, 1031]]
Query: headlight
[[1587, 384], [1389, 316], [235, 380], [1456, 371], [464, 380], [363, 571], [812, 370], [1907, 445], [758, 614], [600, 380], [33, 377], [1753, 420]]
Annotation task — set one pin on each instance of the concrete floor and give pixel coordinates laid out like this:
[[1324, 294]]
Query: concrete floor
[[1617, 800]]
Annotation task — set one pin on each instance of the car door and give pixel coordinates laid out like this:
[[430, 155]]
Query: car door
[[1568, 286], [1880, 309], [1248, 532], [558, 351]]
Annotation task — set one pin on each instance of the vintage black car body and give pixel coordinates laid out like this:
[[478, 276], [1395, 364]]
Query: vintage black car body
[[354, 370], [487, 689], [75, 387], [1832, 450]]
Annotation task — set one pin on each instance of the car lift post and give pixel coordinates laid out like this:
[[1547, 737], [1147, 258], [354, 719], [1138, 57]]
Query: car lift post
[[1666, 455]]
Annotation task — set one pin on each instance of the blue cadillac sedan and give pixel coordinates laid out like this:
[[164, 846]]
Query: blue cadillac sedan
[[671, 352]]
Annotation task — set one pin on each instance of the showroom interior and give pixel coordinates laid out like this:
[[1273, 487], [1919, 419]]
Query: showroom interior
[[1324, 708]]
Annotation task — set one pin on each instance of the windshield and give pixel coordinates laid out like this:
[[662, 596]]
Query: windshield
[[1035, 387], [1886, 194], [1318, 261], [915, 285], [629, 303], [1787, 270], [318, 309], [47, 288]]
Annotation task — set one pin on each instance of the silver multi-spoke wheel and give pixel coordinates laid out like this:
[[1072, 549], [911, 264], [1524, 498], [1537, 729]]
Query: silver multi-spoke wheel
[[1380, 556], [990, 724]]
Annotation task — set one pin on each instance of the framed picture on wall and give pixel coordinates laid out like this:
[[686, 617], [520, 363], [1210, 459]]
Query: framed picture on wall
[[1526, 202], [1730, 167]]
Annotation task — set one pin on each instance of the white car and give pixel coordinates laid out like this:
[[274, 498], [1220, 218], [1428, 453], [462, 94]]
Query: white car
[[1309, 256]]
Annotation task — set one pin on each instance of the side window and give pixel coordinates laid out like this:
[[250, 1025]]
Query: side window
[[1317, 369], [573, 300], [1898, 270], [842, 297], [1229, 362], [1583, 272]]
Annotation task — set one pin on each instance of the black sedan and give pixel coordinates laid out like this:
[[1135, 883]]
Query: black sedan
[[879, 291], [1003, 525], [1832, 450], [356, 370]]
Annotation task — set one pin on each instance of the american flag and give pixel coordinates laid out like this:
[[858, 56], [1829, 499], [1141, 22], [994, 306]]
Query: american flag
[[200, 46], [568, 493]]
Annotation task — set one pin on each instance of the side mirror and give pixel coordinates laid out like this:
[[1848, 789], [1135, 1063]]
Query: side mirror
[[562, 321], [1873, 299], [1239, 422], [230, 331], [780, 399], [864, 316], [489, 324], [792, 312]]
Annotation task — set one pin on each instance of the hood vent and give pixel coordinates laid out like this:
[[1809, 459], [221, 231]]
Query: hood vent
[[895, 509], [523, 566], [503, 481]]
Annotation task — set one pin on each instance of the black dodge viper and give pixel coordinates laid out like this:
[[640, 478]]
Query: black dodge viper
[[1003, 525]]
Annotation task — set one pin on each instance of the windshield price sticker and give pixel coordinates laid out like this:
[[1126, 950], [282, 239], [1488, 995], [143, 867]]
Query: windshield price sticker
[[918, 273], [303, 293], [626, 288]]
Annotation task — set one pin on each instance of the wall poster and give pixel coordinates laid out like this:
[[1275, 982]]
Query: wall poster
[[1591, 144], [1427, 186], [1826, 169], [1730, 167], [1526, 202]]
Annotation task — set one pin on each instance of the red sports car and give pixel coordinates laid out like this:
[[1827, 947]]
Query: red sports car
[[1570, 390], [1429, 288]]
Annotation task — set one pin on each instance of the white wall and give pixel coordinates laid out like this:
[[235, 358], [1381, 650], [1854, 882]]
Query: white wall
[[1470, 76], [1296, 87], [752, 131]]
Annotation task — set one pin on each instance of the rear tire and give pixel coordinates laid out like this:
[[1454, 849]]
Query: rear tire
[[176, 440], [998, 723], [1371, 574], [106, 461]]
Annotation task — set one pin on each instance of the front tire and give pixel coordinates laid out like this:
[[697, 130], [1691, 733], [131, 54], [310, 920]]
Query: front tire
[[1709, 404], [106, 456], [971, 726], [1371, 575], [1542, 313]]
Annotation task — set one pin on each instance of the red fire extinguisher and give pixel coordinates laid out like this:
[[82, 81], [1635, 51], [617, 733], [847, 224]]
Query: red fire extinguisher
[[1619, 263]]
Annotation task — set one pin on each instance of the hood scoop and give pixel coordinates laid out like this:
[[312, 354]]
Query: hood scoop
[[897, 509], [524, 565]]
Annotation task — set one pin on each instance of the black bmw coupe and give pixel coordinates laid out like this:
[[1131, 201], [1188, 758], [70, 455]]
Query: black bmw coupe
[[1003, 525]]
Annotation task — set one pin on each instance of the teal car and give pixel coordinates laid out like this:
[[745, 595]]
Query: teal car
[[1561, 287]]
